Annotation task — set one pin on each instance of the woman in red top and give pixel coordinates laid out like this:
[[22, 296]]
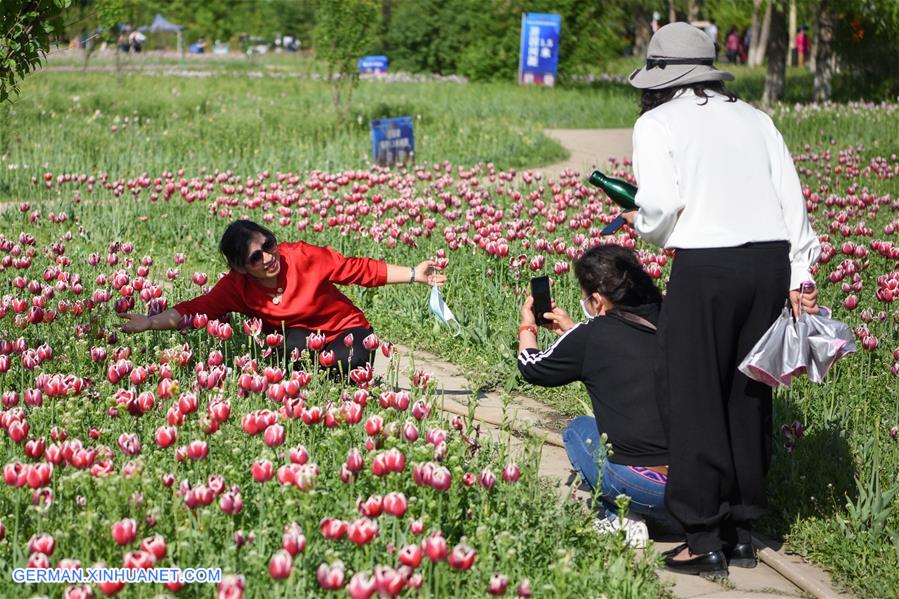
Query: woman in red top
[[294, 286]]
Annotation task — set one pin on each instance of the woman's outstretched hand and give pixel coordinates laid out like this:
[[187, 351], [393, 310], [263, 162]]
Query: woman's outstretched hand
[[137, 323], [426, 273], [559, 321]]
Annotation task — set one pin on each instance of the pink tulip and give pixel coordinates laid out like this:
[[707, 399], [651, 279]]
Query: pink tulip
[[511, 473], [154, 545], [395, 504], [497, 585], [361, 531], [330, 578], [362, 586], [262, 471], [435, 547], [411, 555], [388, 581], [333, 529], [461, 558], [274, 435], [280, 564], [43, 544], [124, 531]]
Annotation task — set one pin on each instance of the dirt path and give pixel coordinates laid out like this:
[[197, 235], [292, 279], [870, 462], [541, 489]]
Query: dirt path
[[589, 149]]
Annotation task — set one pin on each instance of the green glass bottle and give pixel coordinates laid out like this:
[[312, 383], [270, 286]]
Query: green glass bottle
[[621, 192]]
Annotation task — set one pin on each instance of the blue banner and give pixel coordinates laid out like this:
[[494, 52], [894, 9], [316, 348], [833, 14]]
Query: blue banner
[[392, 140], [373, 64], [539, 59]]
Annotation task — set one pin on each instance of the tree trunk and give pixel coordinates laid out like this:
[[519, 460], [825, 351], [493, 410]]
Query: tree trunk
[[791, 34], [778, 43], [672, 13], [824, 65], [642, 33], [761, 47], [754, 31]]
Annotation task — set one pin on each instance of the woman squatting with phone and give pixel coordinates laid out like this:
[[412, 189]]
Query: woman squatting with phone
[[612, 353]]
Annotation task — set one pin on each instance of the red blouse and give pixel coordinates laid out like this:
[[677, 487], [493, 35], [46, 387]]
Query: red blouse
[[310, 299]]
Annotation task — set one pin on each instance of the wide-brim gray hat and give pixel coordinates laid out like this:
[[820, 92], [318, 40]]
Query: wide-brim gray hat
[[678, 54]]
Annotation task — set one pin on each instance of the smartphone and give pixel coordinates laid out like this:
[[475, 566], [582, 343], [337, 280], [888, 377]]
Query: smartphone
[[542, 298]]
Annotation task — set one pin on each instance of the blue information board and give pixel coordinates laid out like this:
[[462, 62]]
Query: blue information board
[[373, 64], [392, 140], [539, 59]]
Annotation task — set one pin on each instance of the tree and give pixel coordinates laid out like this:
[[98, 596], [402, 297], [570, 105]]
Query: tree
[[758, 45], [344, 32], [824, 63], [28, 26], [778, 44]]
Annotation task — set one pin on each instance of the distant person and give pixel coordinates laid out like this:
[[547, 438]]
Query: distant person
[[198, 47], [745, 38], [123, 43], [803, 45], [732, 46], [712, 31], [612, 354], [292, 287], [136, 41]]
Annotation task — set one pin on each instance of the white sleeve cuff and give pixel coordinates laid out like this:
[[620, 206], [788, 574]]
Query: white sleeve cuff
[[799, 274]]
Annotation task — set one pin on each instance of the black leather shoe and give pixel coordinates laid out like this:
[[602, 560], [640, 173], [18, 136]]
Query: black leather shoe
[[710, 565], [741, 555], [674, 550]]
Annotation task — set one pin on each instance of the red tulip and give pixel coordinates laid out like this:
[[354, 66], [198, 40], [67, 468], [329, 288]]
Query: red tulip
[[166, 436], [231, 503], [124, 531], [435, 547], [441, 479], [388, 581], [524, 589], [330, 578], [395, 504], [108, 588], [487, 479], [361, 531], [361, 586], [333, 529], [511, 473], [374, 425], [154, 545], [410, 555], [262, 471], [293, 541], [197, 450], [280, 564], [315, 342], [371, 507], [274, 435], [461, 557], [497, 585], [354, 461], [139, 560], [42, 543], [326, 358]]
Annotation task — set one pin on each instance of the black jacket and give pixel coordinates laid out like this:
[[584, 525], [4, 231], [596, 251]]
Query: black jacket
[[615, 359]]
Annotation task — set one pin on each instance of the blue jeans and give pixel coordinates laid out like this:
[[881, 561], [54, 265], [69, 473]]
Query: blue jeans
[[646, 488]]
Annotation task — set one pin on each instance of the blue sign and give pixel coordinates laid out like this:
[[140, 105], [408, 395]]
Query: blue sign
[[539, 60], [373, 64], [392, 140]]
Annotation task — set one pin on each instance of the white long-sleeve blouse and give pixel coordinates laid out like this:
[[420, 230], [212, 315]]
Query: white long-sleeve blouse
[[718, 174]]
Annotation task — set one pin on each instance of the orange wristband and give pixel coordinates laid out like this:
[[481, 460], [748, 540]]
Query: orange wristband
[[527, 327]]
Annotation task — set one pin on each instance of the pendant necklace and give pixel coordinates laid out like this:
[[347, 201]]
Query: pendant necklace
[[276, 299]]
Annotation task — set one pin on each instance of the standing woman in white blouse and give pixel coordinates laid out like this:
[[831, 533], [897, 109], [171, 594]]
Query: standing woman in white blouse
[[716, 183]]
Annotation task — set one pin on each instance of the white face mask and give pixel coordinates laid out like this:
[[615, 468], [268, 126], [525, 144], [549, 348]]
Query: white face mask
[[584, 308]]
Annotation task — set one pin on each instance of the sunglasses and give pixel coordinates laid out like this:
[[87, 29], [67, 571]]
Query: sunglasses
[[268, 247]]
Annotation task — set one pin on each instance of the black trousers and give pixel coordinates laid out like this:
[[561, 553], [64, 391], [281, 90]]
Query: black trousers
[[720, 302], [346, 358]]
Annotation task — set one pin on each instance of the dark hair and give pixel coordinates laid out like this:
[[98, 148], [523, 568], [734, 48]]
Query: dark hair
[[616, 273], [237, 237], [653, 98]]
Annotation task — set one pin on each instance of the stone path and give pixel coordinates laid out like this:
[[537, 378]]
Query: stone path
[[524, 416], [589, 149]]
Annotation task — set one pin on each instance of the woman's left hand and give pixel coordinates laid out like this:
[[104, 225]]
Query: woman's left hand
[[629, 216], [427, 274]]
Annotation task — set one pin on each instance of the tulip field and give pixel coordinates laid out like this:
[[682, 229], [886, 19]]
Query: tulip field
[[192, 449]]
